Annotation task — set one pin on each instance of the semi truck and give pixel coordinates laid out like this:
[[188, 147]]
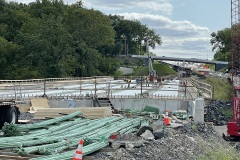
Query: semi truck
[[8, 112]]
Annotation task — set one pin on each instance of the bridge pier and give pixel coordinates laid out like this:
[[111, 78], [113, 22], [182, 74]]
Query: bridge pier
[[219, 66]]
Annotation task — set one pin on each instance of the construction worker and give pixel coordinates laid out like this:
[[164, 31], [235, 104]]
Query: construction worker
[[155, 82], [129, 81], [159, 81], [147, 81]]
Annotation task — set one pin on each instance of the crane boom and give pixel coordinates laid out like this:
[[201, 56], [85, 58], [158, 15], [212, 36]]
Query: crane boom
[[233, 127]]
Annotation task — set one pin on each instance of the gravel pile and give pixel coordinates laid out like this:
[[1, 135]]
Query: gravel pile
[[191, 142], [198, 129], [25, 116], [218, 112]]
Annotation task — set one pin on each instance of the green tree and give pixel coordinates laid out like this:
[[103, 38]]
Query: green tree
[[46, 44], [8, 53], [89, 26], [12, 18], [220, 42], [134, 33], [48, 38], [41, 8]]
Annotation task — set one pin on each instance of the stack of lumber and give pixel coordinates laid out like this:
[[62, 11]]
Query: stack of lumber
[[88, 112]]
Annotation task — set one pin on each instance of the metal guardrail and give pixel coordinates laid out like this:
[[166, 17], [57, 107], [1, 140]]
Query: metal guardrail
[[52, 79], [89, 97], [203, 89], [26, 91]]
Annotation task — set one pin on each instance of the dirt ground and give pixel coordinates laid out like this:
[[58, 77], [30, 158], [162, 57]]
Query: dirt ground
[[221, 129]]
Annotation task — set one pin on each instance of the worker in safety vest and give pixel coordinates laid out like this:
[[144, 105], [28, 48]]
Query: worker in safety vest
[[147, 81], [129, 81], [155, 82]]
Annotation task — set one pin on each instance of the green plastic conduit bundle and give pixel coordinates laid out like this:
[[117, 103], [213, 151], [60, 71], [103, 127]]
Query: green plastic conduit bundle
[[95, 146], [27, 127], [49, 132], [107, 130], [70, 154], [75, 132], [58, 140], [78, 131], [49, 122]]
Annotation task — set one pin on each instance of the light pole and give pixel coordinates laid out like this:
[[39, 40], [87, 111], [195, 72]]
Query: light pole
[[124, 38]]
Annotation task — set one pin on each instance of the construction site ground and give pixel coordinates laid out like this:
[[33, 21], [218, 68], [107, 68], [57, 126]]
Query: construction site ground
[[188, 141], [181, 140]]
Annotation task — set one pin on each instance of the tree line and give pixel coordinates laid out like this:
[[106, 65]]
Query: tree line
[[48, 38]]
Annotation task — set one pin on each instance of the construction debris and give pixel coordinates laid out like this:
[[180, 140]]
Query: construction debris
[[192, 141], [116, 137], [147, 135]]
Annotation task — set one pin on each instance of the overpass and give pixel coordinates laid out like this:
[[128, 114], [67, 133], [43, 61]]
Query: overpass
[[218, 64]]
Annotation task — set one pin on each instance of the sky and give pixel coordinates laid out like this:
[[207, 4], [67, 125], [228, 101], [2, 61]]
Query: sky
[[184, 25]]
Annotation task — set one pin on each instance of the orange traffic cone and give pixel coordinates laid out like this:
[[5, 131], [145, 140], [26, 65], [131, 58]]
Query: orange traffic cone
[[166, 118], [78, 155]]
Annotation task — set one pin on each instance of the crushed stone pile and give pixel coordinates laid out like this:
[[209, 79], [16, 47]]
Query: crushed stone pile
[[25, 116], [198, 129], [218, 111], [190, 142]]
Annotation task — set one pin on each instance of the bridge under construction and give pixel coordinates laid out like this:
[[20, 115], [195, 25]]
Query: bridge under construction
[[171, 93]]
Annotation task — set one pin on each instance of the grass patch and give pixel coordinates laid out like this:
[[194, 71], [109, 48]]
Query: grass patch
[[161, 69], [221, 154], [215, 148], [222, 88], [140, 71]]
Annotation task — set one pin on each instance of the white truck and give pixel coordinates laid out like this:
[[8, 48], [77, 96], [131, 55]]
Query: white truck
[[8, 112]]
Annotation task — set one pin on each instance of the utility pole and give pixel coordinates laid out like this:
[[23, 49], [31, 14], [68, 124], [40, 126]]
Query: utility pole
[[150, 67], [95, 90], [80, 88], [44, 88], [125, 38], [15, 92]]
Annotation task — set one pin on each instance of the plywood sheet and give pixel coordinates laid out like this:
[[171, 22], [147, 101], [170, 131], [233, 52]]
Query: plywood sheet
[[88, 112], [23, 107], [39, 103]]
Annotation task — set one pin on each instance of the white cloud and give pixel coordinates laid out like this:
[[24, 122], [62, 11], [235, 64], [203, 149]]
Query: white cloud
[[160, 6], [164, 7], [186, 47], [162, 23], [179, 37]]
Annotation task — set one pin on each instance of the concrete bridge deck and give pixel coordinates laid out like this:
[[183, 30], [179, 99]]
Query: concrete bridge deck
[[102, 87]]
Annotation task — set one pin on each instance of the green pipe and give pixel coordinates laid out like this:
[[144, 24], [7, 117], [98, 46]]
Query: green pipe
[[78, 131], [70, 154]]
